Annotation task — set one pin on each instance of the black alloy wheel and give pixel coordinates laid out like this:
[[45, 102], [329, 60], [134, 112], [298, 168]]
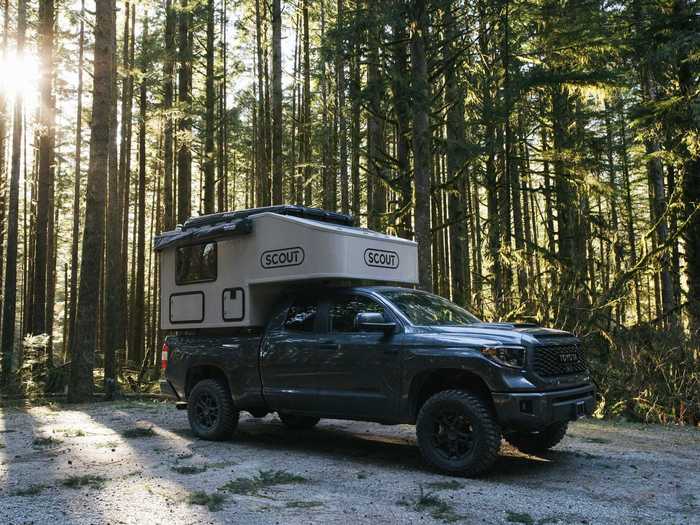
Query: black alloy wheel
[[210, 410]]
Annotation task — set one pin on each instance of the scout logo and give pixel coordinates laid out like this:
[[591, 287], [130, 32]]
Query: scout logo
[[381, 258], [282, 257]]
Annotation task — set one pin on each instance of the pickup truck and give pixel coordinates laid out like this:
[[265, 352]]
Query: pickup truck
[[390, 355]]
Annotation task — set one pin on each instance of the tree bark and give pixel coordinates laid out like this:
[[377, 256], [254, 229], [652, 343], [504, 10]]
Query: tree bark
[[37, 322], [168, 93], [80, 386], [209, 103], [277, 124], [184, 154], [9, 304], [421, 142]]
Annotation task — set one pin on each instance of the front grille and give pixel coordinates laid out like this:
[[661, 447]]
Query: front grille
[[559, 360]]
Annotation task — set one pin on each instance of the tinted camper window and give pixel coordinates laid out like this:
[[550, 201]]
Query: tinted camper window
[[195, 263]]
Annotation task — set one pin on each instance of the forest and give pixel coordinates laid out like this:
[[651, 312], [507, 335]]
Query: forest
[[544, 154]]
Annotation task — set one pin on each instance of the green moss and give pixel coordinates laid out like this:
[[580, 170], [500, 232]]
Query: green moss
[[212, 501], [86, 480], [265, 478]]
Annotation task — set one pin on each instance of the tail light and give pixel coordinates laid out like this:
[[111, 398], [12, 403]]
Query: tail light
[[164, 356]]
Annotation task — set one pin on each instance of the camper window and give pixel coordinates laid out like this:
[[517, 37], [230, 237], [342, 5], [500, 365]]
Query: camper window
[[196, 263]]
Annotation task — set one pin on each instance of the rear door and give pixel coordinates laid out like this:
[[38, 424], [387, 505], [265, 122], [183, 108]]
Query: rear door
[[288, 359], [359, 372]]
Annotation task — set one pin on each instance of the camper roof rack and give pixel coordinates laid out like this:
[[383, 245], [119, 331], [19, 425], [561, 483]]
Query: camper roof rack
[[314, 214]]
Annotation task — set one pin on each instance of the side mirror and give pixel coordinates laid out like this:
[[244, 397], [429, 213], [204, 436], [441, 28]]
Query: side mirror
[[374, 322]]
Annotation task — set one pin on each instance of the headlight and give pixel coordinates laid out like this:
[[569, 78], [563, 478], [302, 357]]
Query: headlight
[[512, 356]]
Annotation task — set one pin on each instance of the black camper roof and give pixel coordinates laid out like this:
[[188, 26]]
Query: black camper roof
[[229, 223], [314, 214]]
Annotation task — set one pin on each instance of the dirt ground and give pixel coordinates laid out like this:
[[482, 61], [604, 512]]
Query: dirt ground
[[137, 462]]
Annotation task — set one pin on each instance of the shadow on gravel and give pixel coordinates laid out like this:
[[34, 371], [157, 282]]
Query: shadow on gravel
[[369, 448]]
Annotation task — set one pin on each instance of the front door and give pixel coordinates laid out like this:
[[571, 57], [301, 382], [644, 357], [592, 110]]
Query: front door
[[359, 372]]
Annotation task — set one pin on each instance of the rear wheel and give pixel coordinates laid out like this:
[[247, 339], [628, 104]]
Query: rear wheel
[[298, 422], [538, 442], [210, 410], [458, 433]]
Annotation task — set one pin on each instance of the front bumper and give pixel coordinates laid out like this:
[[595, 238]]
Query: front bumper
[[537, 410]]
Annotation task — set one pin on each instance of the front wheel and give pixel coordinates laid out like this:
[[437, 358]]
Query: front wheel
[[298, 422], [538, 442], [458, 433], [210, 411]]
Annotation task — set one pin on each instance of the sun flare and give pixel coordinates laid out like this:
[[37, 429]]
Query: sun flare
[[19, 74]]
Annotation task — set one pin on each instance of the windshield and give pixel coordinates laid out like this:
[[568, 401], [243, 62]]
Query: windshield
[[426, 309]]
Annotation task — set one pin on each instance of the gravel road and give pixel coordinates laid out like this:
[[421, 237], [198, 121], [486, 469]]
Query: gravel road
[[137, 462]]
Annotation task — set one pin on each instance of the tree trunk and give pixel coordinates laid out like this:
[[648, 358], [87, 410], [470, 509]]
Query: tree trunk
[[112, 338], [685, 14], [277, 124], [168, 92], [306, 105], [342, 121], [209, 103], [184, 154], [263, 172], [9, 304], [456, 164], [80, 386], [46, 166], [421, 142], [3, 159], [76, 184], [136, 353]]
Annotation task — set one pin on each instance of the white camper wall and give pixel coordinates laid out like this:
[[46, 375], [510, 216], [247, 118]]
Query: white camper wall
[[254, 270]]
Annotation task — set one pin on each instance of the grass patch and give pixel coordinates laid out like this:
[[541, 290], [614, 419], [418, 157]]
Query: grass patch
[[264, 479], [43, 442], [108, 444], [212, 501], [72, 432], [519, 517], [138, 432], [303, 504], [429, 502], [31, 490], [445, 485], [86, 480], [2, 445], [189, 469]]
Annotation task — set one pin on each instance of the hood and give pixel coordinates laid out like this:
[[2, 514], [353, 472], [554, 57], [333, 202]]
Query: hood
[[497, 333]]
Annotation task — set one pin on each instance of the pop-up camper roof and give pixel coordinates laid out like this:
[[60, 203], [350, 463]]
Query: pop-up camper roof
[[227, 269]]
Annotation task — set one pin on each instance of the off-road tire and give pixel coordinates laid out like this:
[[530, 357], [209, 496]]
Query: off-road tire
[[538, 442], [210, 410], [298, 422], [483, 429]]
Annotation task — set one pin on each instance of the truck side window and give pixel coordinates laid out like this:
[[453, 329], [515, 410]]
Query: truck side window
[[195, 263], [301, 316], [344, 310]]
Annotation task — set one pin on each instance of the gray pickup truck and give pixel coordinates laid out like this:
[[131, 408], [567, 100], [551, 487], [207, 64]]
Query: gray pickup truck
[[391, 355]]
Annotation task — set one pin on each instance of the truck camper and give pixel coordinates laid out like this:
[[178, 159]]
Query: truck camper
[[227, 269]]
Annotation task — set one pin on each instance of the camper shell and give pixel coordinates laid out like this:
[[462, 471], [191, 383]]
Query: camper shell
[[228, 269]]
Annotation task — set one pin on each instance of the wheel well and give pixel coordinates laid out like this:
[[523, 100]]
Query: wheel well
[[198, 373], [431, 382]]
